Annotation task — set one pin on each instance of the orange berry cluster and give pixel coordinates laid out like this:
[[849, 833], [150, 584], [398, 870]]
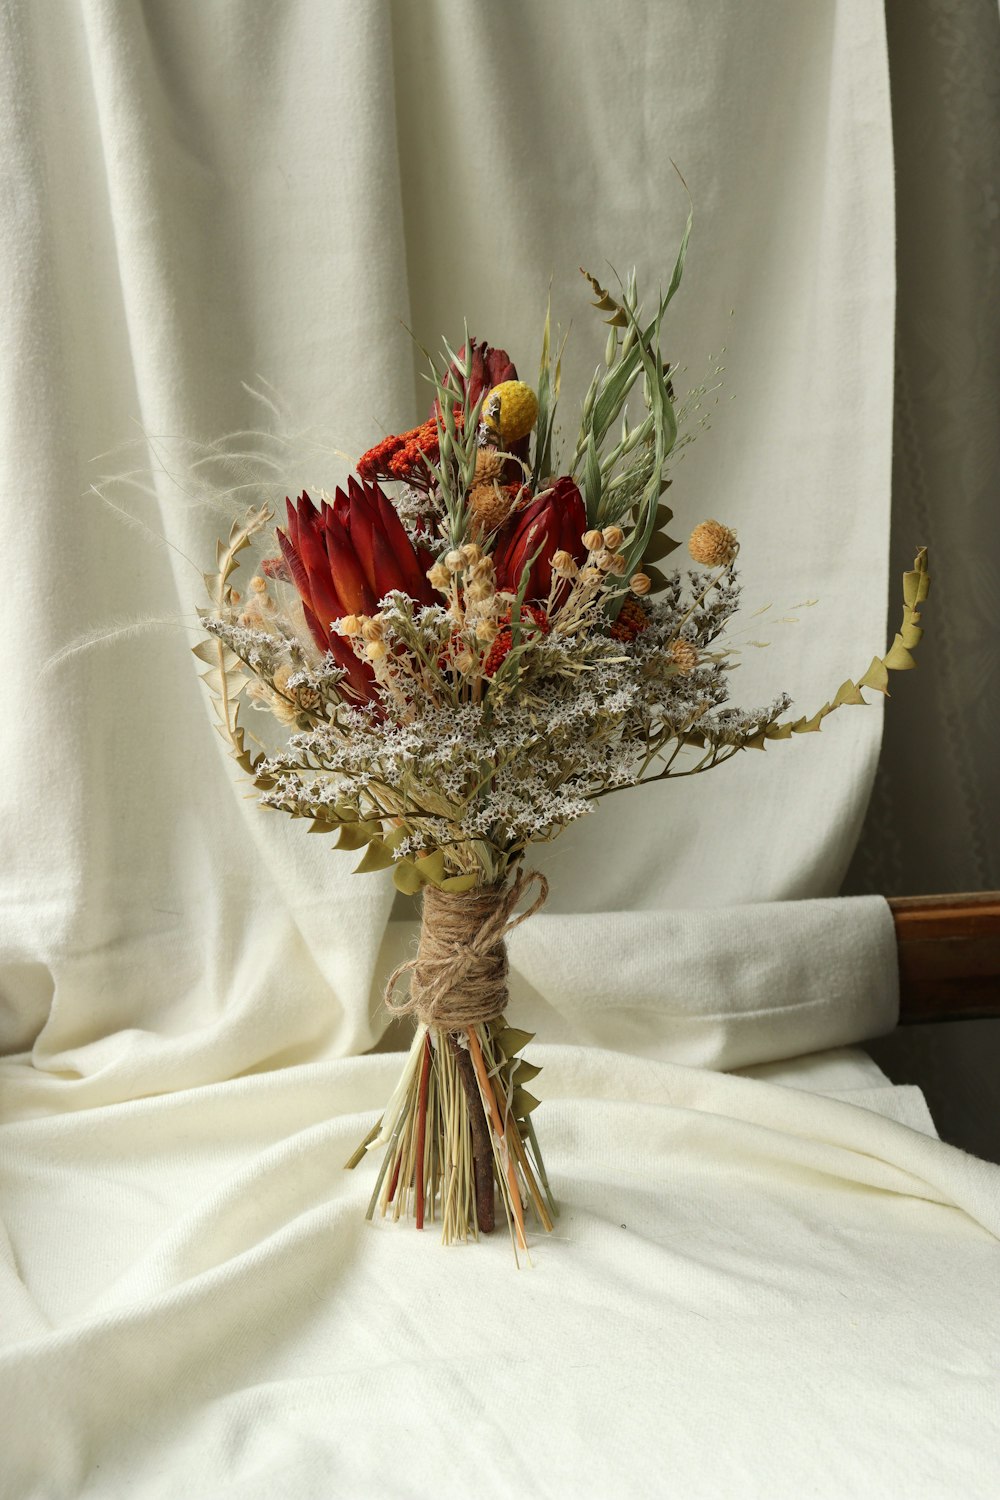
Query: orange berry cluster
[[500, 649], [402, 454], [632, 621]]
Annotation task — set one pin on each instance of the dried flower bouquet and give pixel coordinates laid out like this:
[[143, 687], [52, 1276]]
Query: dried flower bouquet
[[470, 645]]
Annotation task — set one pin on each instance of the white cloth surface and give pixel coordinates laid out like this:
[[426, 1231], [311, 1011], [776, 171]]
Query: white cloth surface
[[801, 1298], [752, 1290]]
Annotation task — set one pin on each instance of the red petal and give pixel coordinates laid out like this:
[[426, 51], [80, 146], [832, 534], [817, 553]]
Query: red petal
[[294, 564], [360, 676], [353, 589], [398, 564], [360, 523], [319, 635]]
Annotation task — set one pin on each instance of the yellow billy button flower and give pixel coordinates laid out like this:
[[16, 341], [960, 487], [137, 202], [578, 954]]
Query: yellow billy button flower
[[511, 410]]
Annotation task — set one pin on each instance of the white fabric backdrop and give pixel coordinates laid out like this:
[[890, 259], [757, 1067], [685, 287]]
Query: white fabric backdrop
[[201, 194], [205, 193]]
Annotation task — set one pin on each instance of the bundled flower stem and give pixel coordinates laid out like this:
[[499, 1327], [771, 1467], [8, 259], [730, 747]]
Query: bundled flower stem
[[464, 662]]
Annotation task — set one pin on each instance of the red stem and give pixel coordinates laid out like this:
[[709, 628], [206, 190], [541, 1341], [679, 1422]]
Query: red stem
[[425, 1071], [394, 1180]]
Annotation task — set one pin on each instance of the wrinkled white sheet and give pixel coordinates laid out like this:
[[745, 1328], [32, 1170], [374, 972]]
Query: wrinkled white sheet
[[752, 1290]]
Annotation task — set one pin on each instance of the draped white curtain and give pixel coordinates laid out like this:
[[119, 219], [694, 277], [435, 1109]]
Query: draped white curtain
[[205, 195], [199, 196]]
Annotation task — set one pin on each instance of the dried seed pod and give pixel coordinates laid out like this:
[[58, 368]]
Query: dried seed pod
[[593, 541], [684, 656], [258, 584], [472, 553], [617, 564], [564, 564], [454, 561], [489, 507], [712, 544], [613, 537], [375, 650], [372, 630], [439, 576], [489, 466], [351, 624]]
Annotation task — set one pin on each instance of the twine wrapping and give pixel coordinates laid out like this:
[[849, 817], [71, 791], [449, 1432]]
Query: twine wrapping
[[459, 976]]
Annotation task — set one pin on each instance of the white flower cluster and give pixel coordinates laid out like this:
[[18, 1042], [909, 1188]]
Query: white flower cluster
[[586, 717]]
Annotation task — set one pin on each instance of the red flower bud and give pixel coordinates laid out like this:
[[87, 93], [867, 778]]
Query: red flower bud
[[490, 367], [554, 522]]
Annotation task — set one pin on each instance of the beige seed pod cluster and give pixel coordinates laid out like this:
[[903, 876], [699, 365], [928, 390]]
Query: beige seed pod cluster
[[712, 544], [489, 506], [489, 466], [684, 656]]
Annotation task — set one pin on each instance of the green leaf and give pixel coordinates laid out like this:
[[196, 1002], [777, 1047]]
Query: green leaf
[[811, 726], [876, 677], [376, 857], [207, 651], [660, 547], [356, 835], [916, 584], [406, 877], [898, 658], [590, 481], [510, 1040], [460, 883], [431, 867]]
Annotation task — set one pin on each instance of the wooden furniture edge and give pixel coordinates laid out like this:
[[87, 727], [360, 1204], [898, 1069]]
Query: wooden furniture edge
[[949, 956]]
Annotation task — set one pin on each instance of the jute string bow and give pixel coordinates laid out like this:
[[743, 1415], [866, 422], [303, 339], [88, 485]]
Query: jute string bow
[[459, 976]]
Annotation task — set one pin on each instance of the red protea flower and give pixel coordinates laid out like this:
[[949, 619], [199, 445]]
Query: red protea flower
[[554, 522], [345, 557]]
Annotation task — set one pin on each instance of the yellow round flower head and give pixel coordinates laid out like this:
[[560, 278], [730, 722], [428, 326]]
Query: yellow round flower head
[[510, 410]]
